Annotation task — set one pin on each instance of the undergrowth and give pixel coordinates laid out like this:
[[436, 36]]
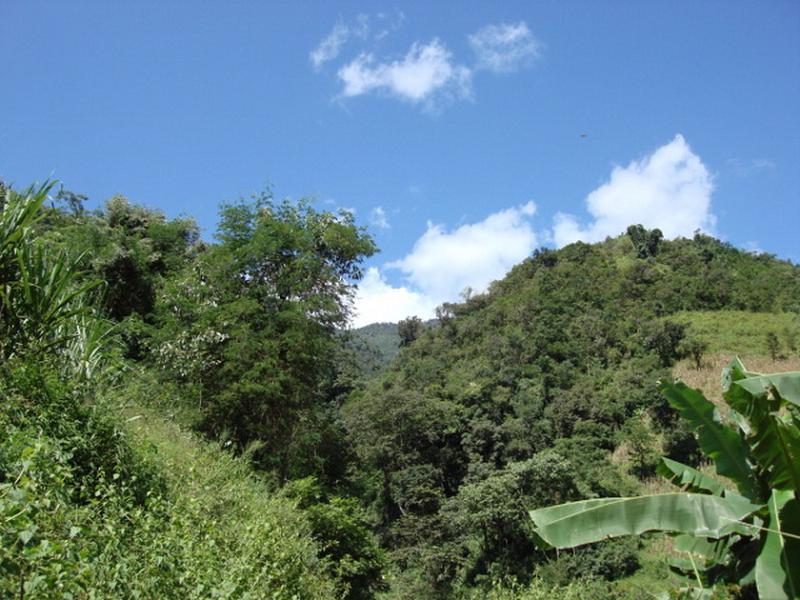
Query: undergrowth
[[89, 509]]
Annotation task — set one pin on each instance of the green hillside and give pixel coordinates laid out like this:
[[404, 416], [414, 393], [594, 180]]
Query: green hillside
[[744, 332], [374, 346], [544, 390], [104, 490], [186, 419]]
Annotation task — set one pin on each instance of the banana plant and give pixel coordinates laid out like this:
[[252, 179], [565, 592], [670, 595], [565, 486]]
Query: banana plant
[[749, 535]]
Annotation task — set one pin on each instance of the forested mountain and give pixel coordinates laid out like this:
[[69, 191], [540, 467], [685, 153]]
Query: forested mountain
[[523, 394], [190, 419], [373, 347]]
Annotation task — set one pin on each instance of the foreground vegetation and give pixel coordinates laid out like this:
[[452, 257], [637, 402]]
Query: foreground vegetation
[[88, 510], [748, 537], [191, 419]]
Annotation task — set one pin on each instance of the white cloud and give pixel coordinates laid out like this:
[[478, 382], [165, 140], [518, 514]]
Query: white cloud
[[378, 302], [425, 73], [442, 264], [390, 23], [753, 247], [428, 75], [378, 218], [330, 46], [747, 168], [669, 189], [504, 48]]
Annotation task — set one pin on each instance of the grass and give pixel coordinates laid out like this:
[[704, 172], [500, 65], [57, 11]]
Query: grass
[[733, 331], [225, 530], [708, 378]]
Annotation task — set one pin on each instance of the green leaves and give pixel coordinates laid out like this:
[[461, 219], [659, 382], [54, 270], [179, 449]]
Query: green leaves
[[778, 565], [761, 454], [688, 478], [17, 213], [40, 295], [787, 385], [773, 439], [577, 523], [717, 441]]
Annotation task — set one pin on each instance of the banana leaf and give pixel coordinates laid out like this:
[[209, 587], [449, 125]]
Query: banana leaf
[[717, 441], [588, 521], [688, 478], [786, 384], [778, 564], [774, 442]]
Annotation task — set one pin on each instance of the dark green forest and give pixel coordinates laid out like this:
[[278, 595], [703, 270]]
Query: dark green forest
[[185, 418]]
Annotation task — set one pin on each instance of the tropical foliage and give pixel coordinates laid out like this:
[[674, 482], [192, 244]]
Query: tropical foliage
[[86, 508], [747, 535], [192, 418]]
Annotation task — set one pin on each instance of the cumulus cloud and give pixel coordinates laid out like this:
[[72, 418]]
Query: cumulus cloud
[[377, 301], [669, 189], [426, 72], [504, 48], [443, 263], [378, 218], [330, 46]]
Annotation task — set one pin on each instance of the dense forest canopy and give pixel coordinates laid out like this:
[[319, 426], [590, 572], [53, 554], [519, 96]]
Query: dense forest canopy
[[520, 395], [398, 461]]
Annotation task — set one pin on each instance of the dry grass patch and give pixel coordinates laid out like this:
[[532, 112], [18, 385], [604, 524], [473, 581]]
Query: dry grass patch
[[708, 378]]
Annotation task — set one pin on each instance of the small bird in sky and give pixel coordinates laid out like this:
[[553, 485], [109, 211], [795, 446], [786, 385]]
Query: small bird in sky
[[584, 136]]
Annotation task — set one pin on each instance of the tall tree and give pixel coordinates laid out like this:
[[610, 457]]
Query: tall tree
[[254, 321]]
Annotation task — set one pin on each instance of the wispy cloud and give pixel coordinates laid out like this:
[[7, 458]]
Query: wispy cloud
[[386, 23], [427, 73], [364, 27], [378, 218], [669, 189], [331, 45], [504, 48], [443, 263], [747, 168]]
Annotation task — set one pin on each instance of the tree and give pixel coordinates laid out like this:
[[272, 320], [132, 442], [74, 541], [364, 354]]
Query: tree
[[409, 330], [695, 348], [773, 345], [73, 201], [341, 528], [645, 242], [664, 338], [267, 303], [750, 535]]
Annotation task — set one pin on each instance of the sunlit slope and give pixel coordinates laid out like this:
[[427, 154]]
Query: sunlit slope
[[232, 535], [743, 332], [531, 388]]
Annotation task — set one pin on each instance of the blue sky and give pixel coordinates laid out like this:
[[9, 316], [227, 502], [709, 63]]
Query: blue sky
[[454, 130]]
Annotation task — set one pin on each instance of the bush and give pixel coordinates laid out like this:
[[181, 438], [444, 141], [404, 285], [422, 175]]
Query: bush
[[607, 561]]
